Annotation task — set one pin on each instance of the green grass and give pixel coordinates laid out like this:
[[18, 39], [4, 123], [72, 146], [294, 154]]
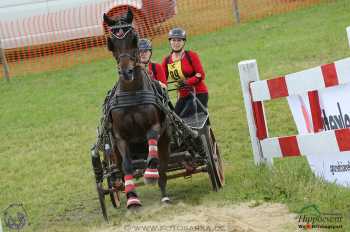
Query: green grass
[[48, 123]]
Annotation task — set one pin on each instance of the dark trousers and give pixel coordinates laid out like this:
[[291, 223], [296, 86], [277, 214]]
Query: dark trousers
[[186, 106]]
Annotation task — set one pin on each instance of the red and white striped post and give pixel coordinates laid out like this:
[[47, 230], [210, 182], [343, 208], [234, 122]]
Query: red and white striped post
[[248, 71], [310, 81], [256, 91]]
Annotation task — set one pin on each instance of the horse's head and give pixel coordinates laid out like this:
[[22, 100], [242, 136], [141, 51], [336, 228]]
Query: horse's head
[[122, 42]]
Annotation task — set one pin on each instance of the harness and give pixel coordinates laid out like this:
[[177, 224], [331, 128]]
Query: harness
[[128, 99], [157, 96], [120, 100], [116, 100]]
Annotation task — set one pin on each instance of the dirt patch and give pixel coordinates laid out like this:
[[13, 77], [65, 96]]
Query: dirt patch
[[247, 217]]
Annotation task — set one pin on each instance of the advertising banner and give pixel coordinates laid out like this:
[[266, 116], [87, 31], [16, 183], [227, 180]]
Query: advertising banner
[[335, 111]]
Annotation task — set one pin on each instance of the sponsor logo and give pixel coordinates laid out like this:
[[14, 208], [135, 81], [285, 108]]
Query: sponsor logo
[[337, 121], [310, 217]]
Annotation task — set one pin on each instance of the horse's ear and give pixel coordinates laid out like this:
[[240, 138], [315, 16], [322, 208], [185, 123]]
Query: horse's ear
[[129, 16], [109, 44], [108, 20]]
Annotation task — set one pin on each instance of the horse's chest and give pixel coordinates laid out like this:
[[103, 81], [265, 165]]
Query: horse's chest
[[136, 121]]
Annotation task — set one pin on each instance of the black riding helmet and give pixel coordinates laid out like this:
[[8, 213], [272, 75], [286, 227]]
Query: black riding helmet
[[177, 33], [145, 44]]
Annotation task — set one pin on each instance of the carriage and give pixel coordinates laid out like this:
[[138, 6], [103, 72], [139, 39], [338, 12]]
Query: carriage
[[193, 150], [140, 120]]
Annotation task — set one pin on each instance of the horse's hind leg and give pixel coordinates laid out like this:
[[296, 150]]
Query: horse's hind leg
[[130, 188], [151, 174], [163, 167]]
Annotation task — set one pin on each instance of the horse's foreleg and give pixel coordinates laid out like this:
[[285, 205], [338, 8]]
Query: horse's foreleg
[[116, 159], [151, 174], [130, 188], [163, 166]]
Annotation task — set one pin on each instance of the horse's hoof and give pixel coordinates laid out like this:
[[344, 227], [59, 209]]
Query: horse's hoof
[[165, 200], [133, 203]]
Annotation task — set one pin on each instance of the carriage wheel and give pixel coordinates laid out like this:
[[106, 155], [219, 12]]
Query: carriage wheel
[[216, 158], [101, 197], [114, 195], [210, 164]]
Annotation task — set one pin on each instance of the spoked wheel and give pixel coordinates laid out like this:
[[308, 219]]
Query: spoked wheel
[[101, 197], [216, 159], [210, 165], [114, 192]]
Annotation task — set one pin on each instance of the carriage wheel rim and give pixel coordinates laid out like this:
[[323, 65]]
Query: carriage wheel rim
[[211, 171], [101, 197], [217, 159], [219, 164]]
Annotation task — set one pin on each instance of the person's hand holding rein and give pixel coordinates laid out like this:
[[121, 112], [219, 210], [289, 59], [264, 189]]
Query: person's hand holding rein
[[162, 85], [181, 84]]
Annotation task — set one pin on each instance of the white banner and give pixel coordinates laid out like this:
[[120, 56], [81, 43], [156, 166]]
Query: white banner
[[335, 108]]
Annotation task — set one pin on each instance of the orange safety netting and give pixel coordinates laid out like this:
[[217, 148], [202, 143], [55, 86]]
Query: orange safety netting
[[63, 38]]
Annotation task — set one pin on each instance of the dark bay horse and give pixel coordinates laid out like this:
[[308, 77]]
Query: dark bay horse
[[134, 114]]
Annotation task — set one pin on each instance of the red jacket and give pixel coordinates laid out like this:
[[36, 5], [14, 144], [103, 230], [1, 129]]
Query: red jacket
[[159, 75], [189, 70]]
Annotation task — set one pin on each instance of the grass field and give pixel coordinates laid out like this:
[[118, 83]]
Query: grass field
[[48, 123]]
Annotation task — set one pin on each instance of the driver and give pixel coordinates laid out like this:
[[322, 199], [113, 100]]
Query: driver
[[185, 68]]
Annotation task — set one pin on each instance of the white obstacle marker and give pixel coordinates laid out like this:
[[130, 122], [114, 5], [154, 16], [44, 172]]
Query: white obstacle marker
[[348, 33], [256, 91], [249, 71]]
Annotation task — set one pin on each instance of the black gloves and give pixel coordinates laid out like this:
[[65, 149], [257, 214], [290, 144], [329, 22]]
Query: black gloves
[[180, 84]]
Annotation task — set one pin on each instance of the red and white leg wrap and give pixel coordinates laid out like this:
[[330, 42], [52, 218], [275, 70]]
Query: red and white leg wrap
[[129, 184], [152, 148], [130, 187], [151, 173]]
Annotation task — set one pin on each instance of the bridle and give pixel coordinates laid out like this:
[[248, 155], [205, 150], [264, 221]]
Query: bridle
[[117, 32]]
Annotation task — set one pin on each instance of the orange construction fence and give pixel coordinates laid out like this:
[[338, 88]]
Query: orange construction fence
[[56, 37]]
